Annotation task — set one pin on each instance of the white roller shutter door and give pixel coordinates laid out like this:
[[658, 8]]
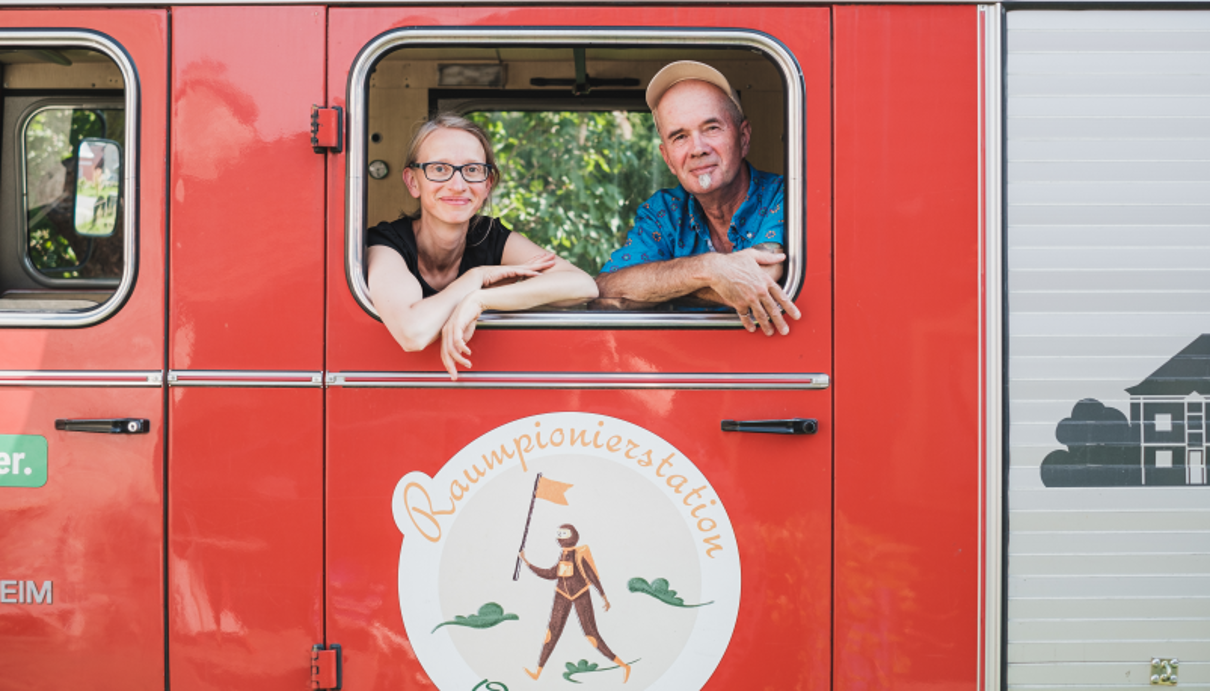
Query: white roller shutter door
[[1108, 251]]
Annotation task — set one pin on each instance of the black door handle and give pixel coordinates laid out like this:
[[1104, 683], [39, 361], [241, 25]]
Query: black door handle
[[117, 425], [795, 426]]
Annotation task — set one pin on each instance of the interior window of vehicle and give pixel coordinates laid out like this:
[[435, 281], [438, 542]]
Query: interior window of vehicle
[[73, 158]]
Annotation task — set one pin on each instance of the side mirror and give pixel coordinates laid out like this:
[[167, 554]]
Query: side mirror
[[98, 187]]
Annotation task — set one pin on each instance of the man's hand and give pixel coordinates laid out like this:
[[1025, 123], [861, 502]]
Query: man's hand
[[745, 281], [742, 281]]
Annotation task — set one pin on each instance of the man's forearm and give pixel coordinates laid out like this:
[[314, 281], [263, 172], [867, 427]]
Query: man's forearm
[[709, 294], [658, 281], [745, 281]]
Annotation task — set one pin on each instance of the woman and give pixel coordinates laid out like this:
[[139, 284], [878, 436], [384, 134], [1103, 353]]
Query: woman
[[435, 272]]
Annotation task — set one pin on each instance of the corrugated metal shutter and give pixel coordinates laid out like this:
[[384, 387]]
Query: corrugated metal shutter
[[1108, 125]]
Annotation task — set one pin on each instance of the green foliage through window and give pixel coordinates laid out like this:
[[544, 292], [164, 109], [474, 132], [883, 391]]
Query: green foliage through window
[[572, 181]]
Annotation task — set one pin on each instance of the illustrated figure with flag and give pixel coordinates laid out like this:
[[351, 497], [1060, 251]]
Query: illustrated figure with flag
[[575, 573]]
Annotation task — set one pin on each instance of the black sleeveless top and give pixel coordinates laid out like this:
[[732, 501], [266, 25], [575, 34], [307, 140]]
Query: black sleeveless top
[[484, 245]]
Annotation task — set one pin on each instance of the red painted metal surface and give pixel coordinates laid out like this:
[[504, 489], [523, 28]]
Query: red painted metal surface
[[357, 342], [245, 549], [776, 490], [247, 473], [907, 375], [247, 189], [133, 338], [95, 530]]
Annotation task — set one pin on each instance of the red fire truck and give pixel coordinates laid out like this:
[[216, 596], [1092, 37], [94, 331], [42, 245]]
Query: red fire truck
[[219, 471]]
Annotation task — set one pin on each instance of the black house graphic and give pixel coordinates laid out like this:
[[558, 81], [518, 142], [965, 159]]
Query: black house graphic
[[1163, 442]]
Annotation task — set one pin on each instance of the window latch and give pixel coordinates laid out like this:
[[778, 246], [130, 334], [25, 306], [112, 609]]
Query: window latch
[[327, 129]]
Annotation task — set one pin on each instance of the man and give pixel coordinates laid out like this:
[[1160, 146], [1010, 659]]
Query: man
[[718, 236], [575, 574]]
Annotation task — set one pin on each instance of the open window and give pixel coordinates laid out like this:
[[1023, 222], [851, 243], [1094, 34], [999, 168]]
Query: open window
[[575, 141], [67, 172]]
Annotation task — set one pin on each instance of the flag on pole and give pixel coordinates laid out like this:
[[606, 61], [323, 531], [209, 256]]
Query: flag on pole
[[544, 488], [552, 490]]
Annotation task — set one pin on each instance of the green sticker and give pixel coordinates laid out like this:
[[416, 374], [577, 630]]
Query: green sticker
[[22, 460]]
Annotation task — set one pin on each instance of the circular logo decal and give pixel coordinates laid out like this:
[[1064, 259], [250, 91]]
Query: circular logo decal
[[566, 547]]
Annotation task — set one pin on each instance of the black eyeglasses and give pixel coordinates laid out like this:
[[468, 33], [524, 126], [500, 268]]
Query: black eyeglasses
[[441, 172]]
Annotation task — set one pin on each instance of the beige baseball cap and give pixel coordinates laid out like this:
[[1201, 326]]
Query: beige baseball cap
[[677, 72]]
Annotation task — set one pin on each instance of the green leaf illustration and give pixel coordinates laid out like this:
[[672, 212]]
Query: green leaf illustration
[[584, 667], [660, 591], [489, 615]]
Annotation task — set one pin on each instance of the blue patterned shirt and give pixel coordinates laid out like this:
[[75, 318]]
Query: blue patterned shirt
[[671, 224]]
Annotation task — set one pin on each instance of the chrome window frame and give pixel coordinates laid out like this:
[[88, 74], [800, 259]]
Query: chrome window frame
[[795, 143], [91, 40]]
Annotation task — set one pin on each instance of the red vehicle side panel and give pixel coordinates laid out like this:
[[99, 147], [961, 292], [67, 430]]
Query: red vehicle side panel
[[775, 487], [777, 490], [132, 339], [246, 537], [247, 190], [92, 535], [907, 348], [356, 341], [246, 468], [95, 530]]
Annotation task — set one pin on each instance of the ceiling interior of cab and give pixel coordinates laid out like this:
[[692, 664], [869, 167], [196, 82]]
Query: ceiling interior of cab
[[564, 54], [53, 56]]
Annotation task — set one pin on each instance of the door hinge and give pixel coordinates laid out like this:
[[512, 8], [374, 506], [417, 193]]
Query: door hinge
[[326, 672], [327, 129]]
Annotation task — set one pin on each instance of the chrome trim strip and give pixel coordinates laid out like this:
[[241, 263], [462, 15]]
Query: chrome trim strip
[[108, 47], [577, 380], [246, 378], [795, 139], [122, 378], [992, 219], [606, 320]]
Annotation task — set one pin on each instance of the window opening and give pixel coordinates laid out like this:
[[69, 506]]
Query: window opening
[[580, 202], [576, 145], [67, 171]]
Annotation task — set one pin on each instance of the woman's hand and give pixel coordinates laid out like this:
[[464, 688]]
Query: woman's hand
[[510, 273], [460, 327], [457, 331]]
